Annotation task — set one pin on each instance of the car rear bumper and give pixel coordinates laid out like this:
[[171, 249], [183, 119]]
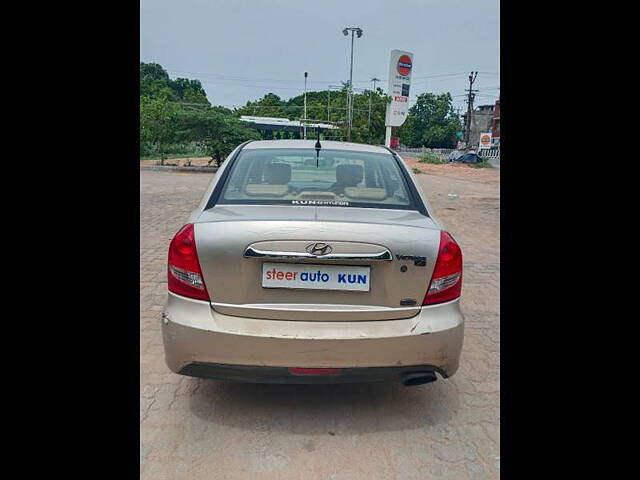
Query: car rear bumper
[[243, 373], [199, 341]]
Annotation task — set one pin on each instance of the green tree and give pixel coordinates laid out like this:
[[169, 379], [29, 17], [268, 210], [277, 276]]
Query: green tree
[[188, 90], [361, 130], [405, 132], [152, 71], [158, 118], [156, 89], [271, 105], [155, 83], [330, 106], [214, 131], [432, 122]]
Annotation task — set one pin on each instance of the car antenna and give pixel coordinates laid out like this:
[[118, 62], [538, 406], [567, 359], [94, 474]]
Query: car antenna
[[318, 147]]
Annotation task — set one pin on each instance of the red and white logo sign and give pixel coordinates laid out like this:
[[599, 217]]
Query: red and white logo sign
[[400, 67], [404, 65]]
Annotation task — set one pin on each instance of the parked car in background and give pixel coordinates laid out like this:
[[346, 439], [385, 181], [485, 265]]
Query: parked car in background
[[454, 156], [313, 266], [469, 157]]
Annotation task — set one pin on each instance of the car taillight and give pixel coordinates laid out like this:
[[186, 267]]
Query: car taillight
[[446, 281], [184, 274]]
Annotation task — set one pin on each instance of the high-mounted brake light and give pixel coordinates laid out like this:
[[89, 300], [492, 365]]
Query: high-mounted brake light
[[446, 281], [184, 274]]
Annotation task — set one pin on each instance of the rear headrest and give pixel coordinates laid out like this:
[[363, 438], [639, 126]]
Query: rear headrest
[[349, 175], [277, 173]]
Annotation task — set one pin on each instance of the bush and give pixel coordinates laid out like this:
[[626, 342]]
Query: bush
[[428, 156], [416, 170], [146, 149], [149, 150], [186, 148]]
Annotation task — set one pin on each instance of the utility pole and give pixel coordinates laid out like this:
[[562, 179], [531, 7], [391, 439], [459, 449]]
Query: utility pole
[[358, 31], [329, 100], [305, 104], [470, 97], [374, 80]]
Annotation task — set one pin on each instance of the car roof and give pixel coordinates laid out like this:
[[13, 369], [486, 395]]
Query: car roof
[[326, 145]]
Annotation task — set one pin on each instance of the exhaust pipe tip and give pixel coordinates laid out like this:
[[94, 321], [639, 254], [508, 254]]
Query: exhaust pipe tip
[[418, 378]]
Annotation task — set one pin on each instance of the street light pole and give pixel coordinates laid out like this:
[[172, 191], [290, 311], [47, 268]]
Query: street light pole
[[305, 105], [351, 90], [358, 31]]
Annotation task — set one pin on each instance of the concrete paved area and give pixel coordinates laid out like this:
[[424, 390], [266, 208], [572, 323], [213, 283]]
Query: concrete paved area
[[207, 429]]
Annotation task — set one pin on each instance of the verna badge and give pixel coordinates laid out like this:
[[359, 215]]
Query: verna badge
[[319, 249]]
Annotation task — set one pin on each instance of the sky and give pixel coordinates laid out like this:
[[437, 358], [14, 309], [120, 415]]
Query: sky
[[243, 49]]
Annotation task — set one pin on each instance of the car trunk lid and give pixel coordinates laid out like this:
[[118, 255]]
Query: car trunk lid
[[236, 242]]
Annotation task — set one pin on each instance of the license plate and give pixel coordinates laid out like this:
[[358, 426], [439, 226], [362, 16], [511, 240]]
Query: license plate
[[316, 277]]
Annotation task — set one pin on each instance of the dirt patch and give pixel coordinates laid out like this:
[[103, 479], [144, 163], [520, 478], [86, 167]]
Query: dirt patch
[[195, 162], [452, 169]]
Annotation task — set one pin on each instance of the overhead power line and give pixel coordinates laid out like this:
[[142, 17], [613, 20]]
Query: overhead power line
[[237, 81], [220, 76], [223, 77], [279, 87], [282, 107]]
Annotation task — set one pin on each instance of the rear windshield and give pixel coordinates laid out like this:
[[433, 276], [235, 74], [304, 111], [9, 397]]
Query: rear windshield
[[296, 177]]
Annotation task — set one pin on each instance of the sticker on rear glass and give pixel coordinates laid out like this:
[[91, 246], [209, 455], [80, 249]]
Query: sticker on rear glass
[[337, 203]]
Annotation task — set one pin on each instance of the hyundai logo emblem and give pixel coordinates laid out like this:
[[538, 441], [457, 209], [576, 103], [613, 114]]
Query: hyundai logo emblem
[[319, 249]]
